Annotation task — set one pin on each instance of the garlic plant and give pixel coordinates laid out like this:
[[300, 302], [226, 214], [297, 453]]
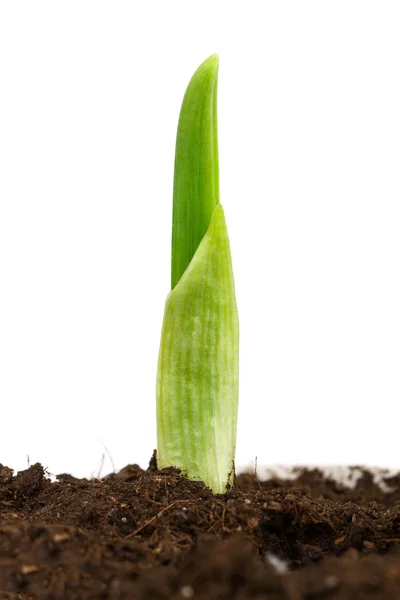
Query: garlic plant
[[198, 367]]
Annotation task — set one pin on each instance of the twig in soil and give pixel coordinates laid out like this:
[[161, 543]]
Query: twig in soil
[[102, 460], [154, 518], [101, 466]]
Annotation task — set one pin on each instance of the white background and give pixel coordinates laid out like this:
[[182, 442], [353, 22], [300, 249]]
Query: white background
[[309, 130]]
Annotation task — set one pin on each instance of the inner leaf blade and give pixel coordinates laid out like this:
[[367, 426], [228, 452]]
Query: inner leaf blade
[[196, 175]]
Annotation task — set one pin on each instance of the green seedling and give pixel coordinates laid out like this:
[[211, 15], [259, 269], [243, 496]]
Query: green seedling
[[198, 366]]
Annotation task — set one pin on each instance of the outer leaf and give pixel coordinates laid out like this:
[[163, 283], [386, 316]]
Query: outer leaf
[[196, 178], [197, 383]]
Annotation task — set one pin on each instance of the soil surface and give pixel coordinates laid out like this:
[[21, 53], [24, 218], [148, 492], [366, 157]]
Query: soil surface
[[154, 535]]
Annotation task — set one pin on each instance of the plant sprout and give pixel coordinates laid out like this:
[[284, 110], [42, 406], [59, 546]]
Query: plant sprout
[[198, 366]]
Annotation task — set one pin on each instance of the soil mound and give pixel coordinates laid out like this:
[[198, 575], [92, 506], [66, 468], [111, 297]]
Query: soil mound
[[155, 535]]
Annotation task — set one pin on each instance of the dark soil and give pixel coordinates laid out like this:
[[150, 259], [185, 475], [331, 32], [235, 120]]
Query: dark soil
[[154, 535]]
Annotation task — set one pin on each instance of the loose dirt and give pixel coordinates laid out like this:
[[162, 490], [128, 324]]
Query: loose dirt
[[154, 535]]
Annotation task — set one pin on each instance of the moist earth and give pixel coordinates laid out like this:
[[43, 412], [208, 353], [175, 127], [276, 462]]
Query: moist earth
[[149, 534]]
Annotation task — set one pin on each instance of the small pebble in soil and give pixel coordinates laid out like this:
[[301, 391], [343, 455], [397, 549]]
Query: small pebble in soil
[[187, 591], [279, 565]]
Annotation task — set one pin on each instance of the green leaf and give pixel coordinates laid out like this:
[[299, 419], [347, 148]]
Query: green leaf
[[196, 178], [198, 368]]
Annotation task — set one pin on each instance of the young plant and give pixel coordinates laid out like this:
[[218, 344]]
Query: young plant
[[198, 366]]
